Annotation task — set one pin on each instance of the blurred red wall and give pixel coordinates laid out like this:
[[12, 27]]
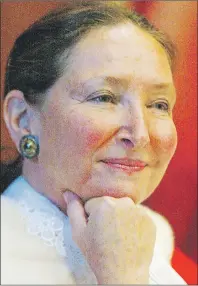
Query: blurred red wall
[[176, 197]]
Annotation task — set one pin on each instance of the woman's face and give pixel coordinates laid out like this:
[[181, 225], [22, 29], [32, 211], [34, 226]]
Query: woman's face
[[116, 102]]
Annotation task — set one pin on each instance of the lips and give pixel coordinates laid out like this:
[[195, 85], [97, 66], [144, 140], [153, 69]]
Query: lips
[[125, 164]]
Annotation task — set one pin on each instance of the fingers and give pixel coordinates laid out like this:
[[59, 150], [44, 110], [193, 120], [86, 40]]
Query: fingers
[[93, 204], [106, 202], [75, 212], [78, 213]]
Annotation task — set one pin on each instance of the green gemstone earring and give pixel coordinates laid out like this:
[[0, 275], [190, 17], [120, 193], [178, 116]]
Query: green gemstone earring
[[29, 146]]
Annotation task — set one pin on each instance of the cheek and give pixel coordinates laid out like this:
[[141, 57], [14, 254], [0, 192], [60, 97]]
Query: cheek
[[86, 135], [164, 138], [88, 132]]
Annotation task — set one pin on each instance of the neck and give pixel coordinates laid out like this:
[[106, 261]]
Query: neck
[[43, 183]]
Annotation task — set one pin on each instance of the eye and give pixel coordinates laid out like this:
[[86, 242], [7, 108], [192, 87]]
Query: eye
[[104, 98], [161, 105]]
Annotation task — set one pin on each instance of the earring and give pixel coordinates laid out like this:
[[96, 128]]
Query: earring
[[29, 146]]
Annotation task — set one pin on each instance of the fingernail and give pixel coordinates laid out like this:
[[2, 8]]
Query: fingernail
[[65, 195], [69, 196]]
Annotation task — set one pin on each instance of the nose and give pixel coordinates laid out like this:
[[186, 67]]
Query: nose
[[133, 131]]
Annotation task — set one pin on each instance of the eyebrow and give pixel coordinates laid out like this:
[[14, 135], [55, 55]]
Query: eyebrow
[[162, 86], [115, 80], [165, 88]]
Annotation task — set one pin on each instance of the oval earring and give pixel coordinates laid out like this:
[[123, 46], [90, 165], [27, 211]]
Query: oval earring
[[29, 146]]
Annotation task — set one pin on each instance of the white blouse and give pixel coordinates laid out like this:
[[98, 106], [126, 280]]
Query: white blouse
[[38, 245]]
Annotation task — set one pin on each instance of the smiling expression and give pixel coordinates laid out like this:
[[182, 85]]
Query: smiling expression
[[115, 102]]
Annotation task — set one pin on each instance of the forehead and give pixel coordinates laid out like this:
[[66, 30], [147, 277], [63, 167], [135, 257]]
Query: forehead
[[122, 51]]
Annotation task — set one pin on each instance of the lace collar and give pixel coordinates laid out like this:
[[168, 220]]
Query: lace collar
[[46, 221]]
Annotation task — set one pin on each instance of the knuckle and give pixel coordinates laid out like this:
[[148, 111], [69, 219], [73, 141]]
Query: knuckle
[[126, 202], [108, 202]]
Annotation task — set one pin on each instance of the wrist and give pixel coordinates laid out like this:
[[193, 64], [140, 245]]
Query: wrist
[[133, 277]]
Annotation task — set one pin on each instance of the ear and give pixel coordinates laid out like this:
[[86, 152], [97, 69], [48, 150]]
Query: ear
[[17, 115]]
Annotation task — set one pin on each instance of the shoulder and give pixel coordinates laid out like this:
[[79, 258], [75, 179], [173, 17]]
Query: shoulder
[[24, 258]]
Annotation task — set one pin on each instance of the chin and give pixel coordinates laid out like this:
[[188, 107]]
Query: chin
[[120, 190], [117, 185]]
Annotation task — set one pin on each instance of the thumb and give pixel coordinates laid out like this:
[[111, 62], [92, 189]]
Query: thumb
[[75, 212]]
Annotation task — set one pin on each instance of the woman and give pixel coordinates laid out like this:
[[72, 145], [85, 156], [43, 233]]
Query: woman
[[88, 102]]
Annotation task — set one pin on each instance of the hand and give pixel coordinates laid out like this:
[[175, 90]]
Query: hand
[[116, 237]]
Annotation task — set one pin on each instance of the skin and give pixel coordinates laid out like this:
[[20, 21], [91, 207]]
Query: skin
[[77, 128]]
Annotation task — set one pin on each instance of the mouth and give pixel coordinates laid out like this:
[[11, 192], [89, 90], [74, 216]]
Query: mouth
[[126, 165]]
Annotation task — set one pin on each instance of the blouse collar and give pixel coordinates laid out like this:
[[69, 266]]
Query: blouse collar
[[46, 221]]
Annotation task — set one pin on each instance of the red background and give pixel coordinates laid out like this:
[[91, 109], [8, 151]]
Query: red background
[[176, 197]]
